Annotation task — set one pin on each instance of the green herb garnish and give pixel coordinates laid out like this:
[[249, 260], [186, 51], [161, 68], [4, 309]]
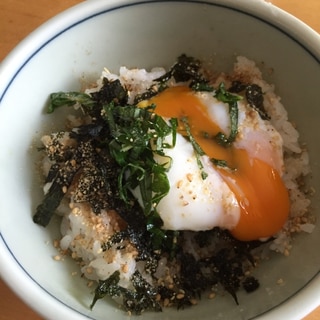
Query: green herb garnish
[[231, 99], [136, 135], [61, 99], [197, 148]]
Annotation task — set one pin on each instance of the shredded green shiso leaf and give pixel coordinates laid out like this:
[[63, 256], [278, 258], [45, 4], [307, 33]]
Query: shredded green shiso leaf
[[127, 138]]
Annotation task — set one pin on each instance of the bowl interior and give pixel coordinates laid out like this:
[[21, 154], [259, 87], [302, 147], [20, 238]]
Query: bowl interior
[[75, 47]]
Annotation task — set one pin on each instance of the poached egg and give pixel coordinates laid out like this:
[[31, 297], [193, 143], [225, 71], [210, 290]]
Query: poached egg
[[248, 197]]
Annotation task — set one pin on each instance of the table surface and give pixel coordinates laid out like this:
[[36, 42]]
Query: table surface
[[20, 17]]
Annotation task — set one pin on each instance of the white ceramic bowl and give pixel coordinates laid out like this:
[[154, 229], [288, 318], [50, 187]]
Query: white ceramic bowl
[[79, 43]]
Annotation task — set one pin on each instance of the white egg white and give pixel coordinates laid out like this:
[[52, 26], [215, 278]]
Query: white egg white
[[194, 203]]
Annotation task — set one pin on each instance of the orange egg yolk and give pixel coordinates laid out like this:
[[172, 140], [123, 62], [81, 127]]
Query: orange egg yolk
[[261, 194]]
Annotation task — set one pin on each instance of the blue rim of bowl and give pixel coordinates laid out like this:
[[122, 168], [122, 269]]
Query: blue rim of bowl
[[105, 11]]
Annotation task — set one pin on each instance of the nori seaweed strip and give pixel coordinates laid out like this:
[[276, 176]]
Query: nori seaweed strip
[[50, 203], [192, 279], [141, 298], [229, 271], [185, 69], [250, 284], [136, 237], [254, 96], [150, 92], [53, 171], [87, 132], [111, 91], [140, 238], [52, 199], [144, 297], [108, 287], [237, 87], [225, 265]]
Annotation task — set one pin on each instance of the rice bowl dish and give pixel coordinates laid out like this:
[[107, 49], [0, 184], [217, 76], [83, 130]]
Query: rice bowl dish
[[75, 69], [141, 199]]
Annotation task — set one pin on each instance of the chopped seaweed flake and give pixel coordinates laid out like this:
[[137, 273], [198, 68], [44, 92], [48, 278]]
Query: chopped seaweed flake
[[250, 284], [137, 300], [254, 96]]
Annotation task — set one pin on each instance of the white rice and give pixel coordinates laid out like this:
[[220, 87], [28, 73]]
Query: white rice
[[84, 233]]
